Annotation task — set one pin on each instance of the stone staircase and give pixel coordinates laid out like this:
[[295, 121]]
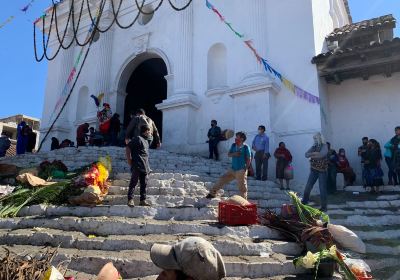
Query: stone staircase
[[91, 237]]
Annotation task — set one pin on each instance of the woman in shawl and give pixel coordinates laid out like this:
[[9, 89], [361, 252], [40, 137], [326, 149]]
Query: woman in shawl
[[373, 171], [345, 169], [22, 138], [283, 160]]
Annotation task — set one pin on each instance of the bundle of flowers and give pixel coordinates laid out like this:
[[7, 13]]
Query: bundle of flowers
[[313, 260], [310, 227]]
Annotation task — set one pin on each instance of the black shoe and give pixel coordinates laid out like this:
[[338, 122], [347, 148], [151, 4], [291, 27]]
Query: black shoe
[[144, 203], [210, 196]]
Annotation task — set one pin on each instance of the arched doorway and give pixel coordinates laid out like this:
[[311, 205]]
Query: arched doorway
[[145, 89]]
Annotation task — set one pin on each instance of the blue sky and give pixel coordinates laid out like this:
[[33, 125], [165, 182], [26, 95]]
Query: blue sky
[[22, 79]]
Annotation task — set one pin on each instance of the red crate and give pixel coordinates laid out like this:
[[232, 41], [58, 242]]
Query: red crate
[[234, 215]]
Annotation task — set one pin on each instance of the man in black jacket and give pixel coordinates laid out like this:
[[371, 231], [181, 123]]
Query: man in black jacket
[[395, 141], [137, 154], [214, 134], [5, 144]]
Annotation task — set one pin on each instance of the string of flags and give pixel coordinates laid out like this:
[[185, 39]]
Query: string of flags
[[48, 10], [11, 18], [297, 91]]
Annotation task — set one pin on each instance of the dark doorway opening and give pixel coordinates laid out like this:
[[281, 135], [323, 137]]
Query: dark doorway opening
[[146, 88]]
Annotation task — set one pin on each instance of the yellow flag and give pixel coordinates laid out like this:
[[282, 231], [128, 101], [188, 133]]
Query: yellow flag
[[288, 84]]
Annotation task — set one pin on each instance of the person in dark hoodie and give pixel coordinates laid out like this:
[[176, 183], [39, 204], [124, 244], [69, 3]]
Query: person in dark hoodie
[[5, 144], [115, 128], [55, 144], [137, 154]]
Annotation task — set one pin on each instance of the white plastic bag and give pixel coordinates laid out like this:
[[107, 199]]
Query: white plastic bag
[[53, 274], [347, 239]]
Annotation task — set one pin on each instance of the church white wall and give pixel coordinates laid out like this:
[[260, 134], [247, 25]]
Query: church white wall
[[361, 108]]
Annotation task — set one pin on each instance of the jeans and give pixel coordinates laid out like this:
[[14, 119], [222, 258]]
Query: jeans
[[312, 179], [114, 139], [138, 176], [331, 182], [261, 164], [392, 174], [213, 149]]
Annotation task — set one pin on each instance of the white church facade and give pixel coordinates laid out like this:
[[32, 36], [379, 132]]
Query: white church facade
[[186, 68]]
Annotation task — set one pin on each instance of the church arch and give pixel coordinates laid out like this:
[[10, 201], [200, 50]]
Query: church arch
[[142, 80]]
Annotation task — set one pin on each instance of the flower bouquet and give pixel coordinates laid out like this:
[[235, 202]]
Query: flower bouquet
[[313, 260]]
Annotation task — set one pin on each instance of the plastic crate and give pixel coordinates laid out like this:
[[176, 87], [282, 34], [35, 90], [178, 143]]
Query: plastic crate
[[234, 215]]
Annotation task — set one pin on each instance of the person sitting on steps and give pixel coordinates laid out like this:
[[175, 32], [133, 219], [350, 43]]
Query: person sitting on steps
[[137, 154], [241, 160]]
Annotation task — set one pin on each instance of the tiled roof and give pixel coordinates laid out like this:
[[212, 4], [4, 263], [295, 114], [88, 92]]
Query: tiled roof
[[339, 51], [387, 20]]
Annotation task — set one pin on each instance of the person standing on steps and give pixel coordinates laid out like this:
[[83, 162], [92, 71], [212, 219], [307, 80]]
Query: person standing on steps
[[241, 160], [194, 258], [137, 154], [261, 147], [136, 123], [389, 159], [395, 142], [81, 134], [283, 160], [318, 155], [214, 134], [5, 144], [332, 169], [362, 152], [115, 128]]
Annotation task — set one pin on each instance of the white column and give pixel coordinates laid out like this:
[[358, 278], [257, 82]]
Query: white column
[[65, 64], [102, 58], [257, 31], [183, 76]]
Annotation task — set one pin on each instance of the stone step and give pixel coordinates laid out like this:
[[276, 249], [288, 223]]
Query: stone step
[[378, 233], [80, 275], [361, 189], [157, 213], [137, 263], [191, 177], [226, 245], [105, 226], [190, 201], [370, 221], [339, 213]]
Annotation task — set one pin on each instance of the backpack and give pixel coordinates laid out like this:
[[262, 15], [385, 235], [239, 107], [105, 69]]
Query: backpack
[[140, 121]]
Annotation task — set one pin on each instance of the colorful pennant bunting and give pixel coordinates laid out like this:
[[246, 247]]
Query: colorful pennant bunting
[[299, 92]]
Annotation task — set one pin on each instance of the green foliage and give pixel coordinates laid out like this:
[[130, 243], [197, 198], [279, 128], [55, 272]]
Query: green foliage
[[307, 214]]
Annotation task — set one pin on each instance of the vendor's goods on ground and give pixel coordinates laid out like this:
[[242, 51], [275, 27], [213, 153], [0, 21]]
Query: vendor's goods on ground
[[86, 186], [311, 228], [237, 211]]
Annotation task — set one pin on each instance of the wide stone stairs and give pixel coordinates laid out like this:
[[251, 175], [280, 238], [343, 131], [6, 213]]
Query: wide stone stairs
[[91, 237]]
